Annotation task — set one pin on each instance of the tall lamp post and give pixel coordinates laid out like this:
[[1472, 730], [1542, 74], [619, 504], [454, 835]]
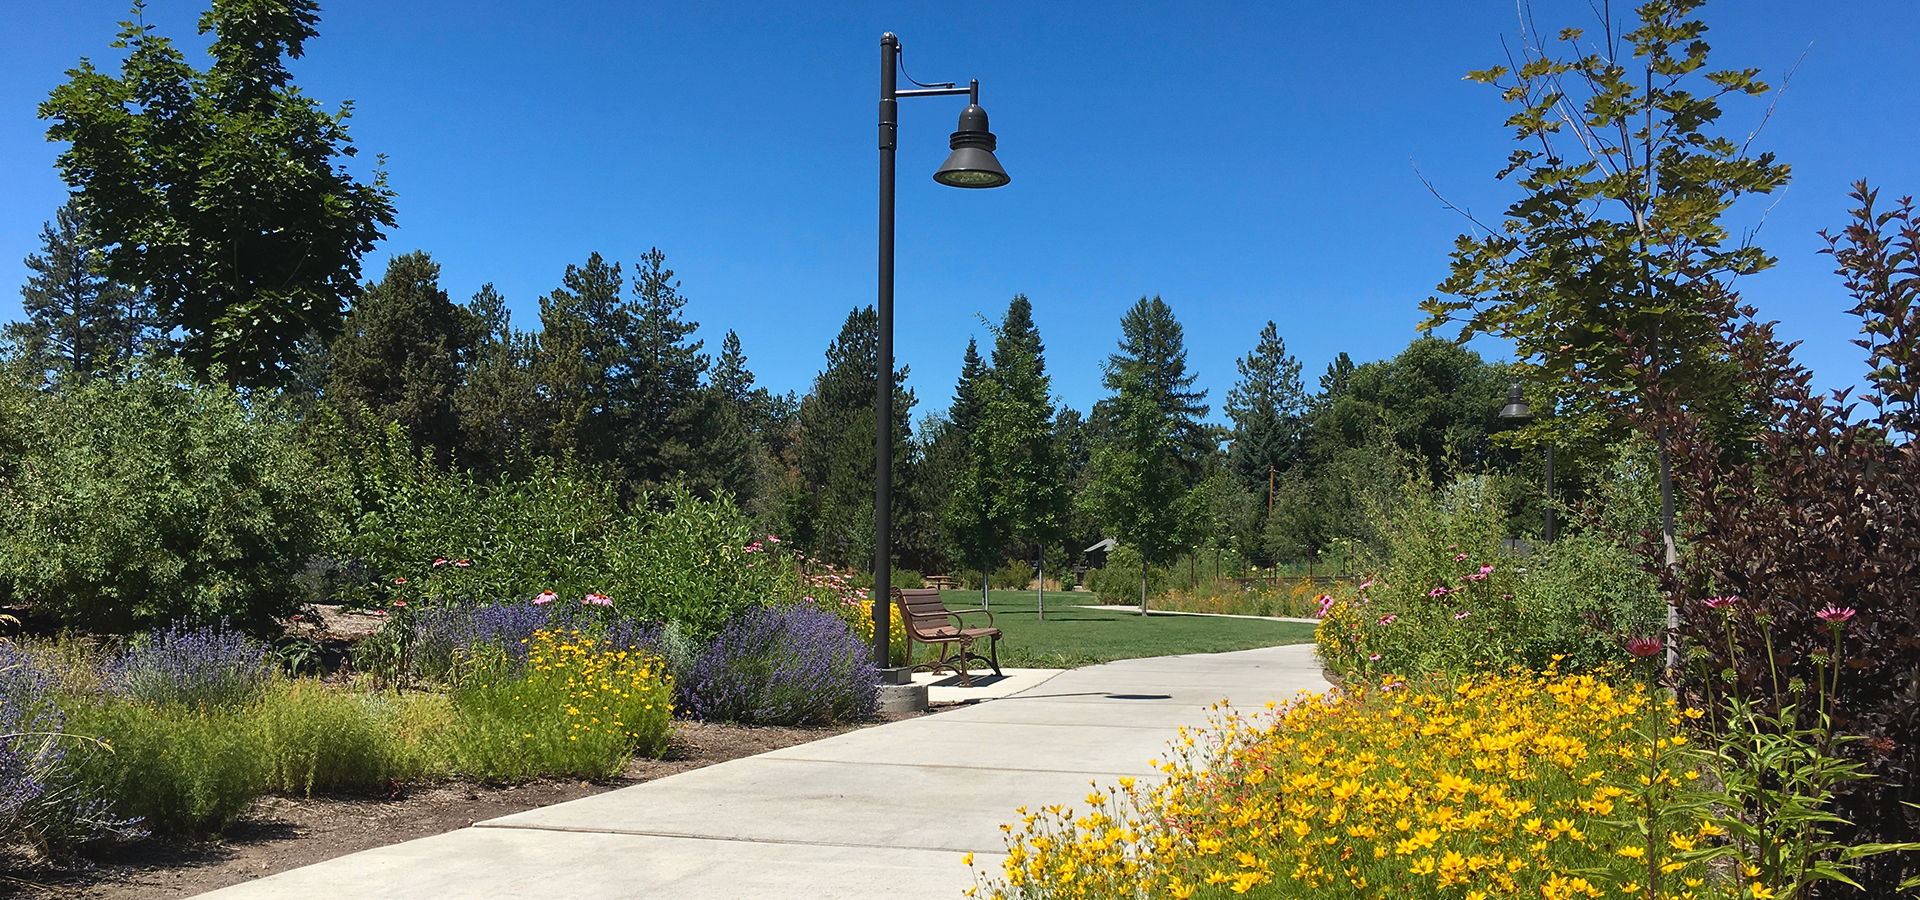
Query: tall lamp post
[[1516, 408], [971, 165]]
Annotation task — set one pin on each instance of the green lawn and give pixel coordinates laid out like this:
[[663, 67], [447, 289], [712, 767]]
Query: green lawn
[[1071, 636]]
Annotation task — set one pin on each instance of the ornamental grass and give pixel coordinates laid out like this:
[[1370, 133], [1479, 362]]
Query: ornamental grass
[[1515, 784], [578, 706]]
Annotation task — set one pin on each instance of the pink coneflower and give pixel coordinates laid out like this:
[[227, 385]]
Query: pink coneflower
[[1460, 557], [596, 600], [439, 561], [546, 597], [1438, 592], [1834, 615], [379, 612], [399, 602], [1366, 584], [1726, 602], [401, 580], [1388, 619], [463, 563], [296, 617], [1643, 646], [1326, 603], [1374, 658], [1477, 576], [1487, 569], [1462, 614], [772, 540]]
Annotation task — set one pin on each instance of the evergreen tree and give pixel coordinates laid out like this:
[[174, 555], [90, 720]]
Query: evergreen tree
[[657, 394], [496, 403], [79, 322], [1019, 432], [1268, 407], [220, 192], [834, 448], [577, 358], [401, 355], [1334, 383], [1137, 487], [1153, 357]]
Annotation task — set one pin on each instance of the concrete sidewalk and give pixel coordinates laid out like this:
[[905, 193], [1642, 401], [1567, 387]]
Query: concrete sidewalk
[[877, 813]]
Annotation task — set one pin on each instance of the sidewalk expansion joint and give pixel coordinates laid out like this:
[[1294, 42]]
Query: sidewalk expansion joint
[[717, 837]]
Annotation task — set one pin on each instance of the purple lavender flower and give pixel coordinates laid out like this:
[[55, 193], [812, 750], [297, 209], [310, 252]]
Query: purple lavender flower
[[213, 666], [27, 718], [795, 665]]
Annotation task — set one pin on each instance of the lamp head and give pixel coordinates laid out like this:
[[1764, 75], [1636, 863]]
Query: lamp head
[[1516, 407], [972, 165]]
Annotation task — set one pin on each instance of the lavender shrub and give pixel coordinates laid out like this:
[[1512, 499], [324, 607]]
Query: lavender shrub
[[794, 665], [39, 803], [443, 635], [209, 666]]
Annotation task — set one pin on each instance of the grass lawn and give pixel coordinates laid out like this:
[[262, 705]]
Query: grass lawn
[[1072, 636]]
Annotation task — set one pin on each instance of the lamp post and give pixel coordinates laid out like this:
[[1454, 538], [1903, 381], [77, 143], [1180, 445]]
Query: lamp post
[[1516, 408], [971, 165]]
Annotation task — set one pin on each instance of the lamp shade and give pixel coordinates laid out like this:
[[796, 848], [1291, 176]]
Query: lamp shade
[[972, 164], [1516, 407]]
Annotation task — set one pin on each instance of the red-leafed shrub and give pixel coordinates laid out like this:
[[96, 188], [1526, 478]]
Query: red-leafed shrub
[[1820, 510]]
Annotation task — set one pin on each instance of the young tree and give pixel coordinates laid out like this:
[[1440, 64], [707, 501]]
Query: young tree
[[1018, 432], [401, 356], [976, 524], [1614, 270], [219, 191], [1137, 485], [834, 449], [1268, 407], [79, 322]]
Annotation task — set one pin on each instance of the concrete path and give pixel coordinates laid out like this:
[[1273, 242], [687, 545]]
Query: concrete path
[[1171, 612], [883, 812]]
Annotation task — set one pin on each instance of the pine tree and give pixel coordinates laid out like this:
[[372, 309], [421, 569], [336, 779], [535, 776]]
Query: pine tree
[[1153, 358], [1019, 432], [1137, 487], [657, 393], [577, 357], [401, 355], [1268, 407], [835, 444], [80, 323], [496, 403]]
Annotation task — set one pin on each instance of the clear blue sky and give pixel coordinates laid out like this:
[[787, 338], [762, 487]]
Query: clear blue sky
[[1245, 161]]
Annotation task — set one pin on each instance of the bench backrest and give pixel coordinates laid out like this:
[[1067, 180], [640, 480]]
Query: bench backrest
[[921, 610]]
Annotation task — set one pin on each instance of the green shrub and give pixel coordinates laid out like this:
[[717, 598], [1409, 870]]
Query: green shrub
[[314, 738], [1118, 583], [1013, 576], [577, 707], [147, 498], [182, 771]]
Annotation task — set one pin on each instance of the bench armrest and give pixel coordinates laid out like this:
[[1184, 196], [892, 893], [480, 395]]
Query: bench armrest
[[954, 614]]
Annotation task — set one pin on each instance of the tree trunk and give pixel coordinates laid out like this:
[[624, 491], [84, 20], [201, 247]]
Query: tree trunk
[[1040, 591], [1143, 586], [1672, 547]]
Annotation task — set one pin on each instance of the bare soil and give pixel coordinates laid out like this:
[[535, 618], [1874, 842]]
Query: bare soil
[[281, 833]]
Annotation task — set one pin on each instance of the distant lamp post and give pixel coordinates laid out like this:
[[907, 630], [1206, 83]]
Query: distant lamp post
[[1516, 408], [971, 165]]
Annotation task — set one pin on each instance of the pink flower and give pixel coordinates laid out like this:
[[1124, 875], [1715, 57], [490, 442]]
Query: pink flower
[[1460, 557], [1726, 602], [439, 561], [772, 540], [463, 563], [296, 617], [379, 612], [400, 580], [1438, 592], [1388, 619], [1366, 584], [546, 597], [596, 600], [1834, 615], [1374, 658], [1326, 603], [1644, 647], [1477, 576], [1462, 614], [1487, 569], [399, 602]]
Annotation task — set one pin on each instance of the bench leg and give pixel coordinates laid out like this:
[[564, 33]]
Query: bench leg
[[966, 649]]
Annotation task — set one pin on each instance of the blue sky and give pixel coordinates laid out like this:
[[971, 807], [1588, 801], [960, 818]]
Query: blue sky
[[1244, 161]]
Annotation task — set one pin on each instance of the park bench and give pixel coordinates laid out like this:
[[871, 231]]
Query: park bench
[[928, 621]]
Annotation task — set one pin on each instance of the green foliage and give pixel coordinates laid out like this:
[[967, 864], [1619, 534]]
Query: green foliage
[[1153, 360], [312, 737], [1616, 264], [399, 357], [833, 453], [1015, 575], [219, 191], [151, 498], [183, 770], [1268, 406], [1137, 486], [578, 707], [1118, 582], [80, 323]]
